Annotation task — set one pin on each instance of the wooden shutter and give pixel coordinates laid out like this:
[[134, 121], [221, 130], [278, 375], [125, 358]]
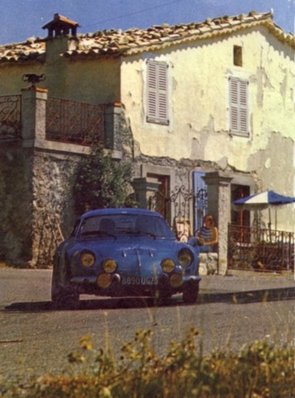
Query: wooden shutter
[[238, 97], [157, 92]]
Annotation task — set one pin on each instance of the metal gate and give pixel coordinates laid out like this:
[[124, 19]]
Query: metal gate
[[181, 204]]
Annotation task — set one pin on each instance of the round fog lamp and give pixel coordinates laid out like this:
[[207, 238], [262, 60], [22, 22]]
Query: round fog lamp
[[87, 259], [175, 280], [109, 266], [104, 280], [168, 265], [185, 257]]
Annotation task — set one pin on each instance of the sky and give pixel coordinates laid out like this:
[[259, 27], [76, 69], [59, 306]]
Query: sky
[[22, 19]]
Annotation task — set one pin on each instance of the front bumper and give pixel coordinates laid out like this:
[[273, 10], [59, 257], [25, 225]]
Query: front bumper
[[117, 286]]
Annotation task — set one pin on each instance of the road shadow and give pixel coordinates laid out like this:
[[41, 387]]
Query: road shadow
[[108, 303], [246, 297], [249, 296]]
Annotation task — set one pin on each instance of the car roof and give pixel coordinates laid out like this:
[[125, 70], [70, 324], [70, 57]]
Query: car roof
[[122, 210]]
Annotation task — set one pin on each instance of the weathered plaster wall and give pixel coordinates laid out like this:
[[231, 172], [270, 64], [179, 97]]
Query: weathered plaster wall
[[199, 107], [275, 164], [198, 82]]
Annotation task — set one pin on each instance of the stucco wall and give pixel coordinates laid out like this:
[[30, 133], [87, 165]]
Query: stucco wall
[[93, 81], [199, 108], [198, 83]]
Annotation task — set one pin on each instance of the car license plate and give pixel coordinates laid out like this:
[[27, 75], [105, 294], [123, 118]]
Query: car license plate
[[139, 280]]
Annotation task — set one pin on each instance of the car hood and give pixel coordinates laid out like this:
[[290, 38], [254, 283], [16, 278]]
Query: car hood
[[136, 256], [124, 247]]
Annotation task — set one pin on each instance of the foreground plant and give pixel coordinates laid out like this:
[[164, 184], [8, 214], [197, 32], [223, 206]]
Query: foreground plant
[[258, 370]]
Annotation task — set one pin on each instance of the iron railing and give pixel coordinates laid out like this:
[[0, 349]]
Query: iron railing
[[74, 122], [260, 249], [178, 202], [10, 117]]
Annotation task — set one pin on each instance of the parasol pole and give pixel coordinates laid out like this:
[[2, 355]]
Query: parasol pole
[[269, 222]]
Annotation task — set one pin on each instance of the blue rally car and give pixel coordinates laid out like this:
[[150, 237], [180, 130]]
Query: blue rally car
[[123, 252]]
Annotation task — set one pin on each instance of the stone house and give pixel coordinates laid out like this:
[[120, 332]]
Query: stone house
[[205, 111]]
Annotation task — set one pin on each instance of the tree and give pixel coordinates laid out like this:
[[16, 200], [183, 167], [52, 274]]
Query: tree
[[102, 182]]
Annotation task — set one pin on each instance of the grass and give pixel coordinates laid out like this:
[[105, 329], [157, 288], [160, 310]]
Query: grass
[[258, 370]]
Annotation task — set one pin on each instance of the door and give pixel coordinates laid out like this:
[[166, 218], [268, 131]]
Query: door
[[200, 198]]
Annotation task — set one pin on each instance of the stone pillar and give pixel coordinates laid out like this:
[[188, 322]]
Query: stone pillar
[[219, 205], [33, 115], [144, 190], [112, 127]]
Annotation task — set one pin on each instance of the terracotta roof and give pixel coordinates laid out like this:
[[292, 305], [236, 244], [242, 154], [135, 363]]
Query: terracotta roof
[[117, 42]]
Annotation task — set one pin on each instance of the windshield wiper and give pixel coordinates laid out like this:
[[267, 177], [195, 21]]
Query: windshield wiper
[[139, 232], [98, 233]]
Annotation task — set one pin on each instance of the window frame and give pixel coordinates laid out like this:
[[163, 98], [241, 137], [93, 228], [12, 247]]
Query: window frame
[[238, 55], [157, 110]]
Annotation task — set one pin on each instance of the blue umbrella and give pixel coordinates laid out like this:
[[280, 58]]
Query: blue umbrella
[[264, 200]]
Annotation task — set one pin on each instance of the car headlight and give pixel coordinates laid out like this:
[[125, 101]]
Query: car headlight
[[87, 259], [176, 280], [104, 280], [109, 265], [168, 265], [185, 257]]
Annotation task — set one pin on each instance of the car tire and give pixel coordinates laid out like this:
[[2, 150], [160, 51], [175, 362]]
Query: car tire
[[63, 299], [190, 293]]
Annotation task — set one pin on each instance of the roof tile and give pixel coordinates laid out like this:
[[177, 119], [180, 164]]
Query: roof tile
[[136, 40]]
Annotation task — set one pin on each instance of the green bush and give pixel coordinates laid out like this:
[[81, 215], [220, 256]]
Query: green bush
[[102, 182], [258, 370]]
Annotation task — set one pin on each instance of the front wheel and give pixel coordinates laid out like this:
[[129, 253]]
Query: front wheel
[[63, 298], [190, 293]]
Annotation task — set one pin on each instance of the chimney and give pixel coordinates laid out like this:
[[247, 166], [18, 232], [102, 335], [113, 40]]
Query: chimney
[[61, 26], [62, 36]]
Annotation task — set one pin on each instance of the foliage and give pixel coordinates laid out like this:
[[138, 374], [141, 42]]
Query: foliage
[[102, 182], [259, 370]]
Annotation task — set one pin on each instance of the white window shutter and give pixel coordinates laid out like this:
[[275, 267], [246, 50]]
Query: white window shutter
[[238, 96], [152, 90], [157, 92], [244, 107]]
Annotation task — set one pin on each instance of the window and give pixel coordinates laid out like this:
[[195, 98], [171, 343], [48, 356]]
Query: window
[[157, 92], [238, 106], [238, 56]]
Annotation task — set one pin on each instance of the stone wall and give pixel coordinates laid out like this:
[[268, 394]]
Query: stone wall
[[36, 181], [16, 204], [36, 206], [53, 213]]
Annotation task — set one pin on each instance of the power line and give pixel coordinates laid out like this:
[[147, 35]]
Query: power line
[[132, 13]]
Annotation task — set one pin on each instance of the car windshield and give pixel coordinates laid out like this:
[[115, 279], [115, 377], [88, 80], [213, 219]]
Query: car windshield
[[125, 224]]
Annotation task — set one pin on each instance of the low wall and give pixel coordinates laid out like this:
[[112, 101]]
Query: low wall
[[36, 205], [16, 204]]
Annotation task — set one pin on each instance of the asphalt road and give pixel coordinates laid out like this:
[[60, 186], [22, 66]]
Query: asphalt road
[[231, 311]]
